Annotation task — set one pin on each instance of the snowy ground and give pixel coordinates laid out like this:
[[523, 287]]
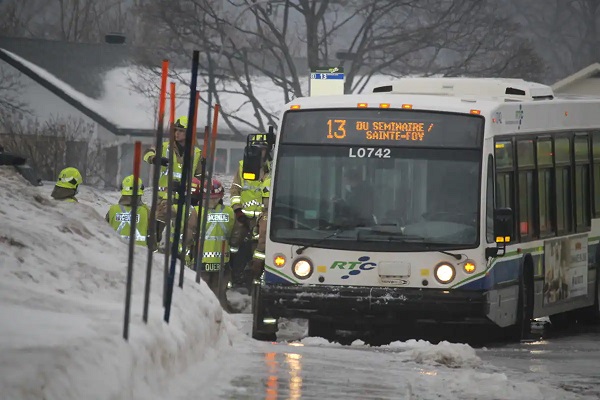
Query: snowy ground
[[313, 368], [62, 288]]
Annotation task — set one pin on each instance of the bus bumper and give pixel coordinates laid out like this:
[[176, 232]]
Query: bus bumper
[[373, 303]]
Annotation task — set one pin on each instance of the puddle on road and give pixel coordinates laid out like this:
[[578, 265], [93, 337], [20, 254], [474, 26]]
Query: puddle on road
[[279, 365]]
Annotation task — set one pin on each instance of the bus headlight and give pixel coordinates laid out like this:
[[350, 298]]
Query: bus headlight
[[302, 268], [444, 273]]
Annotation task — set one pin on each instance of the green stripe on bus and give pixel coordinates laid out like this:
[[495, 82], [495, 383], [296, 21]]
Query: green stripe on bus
[[496, 260], [280, 274], [471, 278]]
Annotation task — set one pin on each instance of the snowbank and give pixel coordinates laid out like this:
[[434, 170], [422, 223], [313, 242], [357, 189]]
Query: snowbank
[[62, 290]]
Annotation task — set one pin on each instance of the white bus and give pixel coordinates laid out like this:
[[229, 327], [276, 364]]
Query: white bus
[[433, 199]]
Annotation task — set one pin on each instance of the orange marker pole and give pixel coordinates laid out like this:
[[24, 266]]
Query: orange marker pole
[[188, 196], [151, 242], [169, 191]]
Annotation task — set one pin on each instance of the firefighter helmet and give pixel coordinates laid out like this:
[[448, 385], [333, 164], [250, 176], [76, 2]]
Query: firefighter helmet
[[127, 186], [260, 140], [69, 178], [196, 187], [181, 122], [216, 191]]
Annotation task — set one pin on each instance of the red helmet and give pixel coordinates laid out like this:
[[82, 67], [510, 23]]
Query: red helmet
[[195, 187], [216, 191]]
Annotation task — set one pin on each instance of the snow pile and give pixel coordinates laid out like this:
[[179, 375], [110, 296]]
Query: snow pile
[[62, 290], [241, 303], [315, 341], [452, 355]]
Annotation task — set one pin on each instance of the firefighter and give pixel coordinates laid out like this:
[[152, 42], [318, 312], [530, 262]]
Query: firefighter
[[67, 185], [192, 223], [220, 220], [258, 257], [246, 201], [180, 128], [119, 215]]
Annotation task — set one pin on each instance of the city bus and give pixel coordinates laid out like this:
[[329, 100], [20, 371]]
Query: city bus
[[442, 200]]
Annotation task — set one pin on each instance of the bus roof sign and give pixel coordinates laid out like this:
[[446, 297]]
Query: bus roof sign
[[327, 81]]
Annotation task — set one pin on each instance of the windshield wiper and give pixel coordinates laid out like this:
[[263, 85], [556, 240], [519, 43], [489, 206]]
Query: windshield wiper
[[399, 236], [317, 242]]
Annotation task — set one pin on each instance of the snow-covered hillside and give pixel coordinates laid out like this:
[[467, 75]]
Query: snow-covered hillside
[[62, 291]]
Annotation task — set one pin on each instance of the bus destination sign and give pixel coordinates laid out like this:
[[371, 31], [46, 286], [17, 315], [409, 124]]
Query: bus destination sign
[[382, 128]]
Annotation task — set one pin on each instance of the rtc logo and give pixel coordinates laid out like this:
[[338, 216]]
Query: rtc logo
[[354, 267]]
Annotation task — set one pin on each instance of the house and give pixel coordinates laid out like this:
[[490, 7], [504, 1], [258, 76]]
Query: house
[[90, 89], [583, 82]]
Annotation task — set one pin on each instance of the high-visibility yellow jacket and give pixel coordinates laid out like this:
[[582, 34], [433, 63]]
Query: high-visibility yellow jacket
[[247, 195], [119, 217], [259, 252], [219, 226], [177, 166]]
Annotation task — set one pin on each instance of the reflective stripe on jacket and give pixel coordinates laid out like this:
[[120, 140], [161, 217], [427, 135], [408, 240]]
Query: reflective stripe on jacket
[[163, 181], [246, 194], [219, 226], [119, 217]]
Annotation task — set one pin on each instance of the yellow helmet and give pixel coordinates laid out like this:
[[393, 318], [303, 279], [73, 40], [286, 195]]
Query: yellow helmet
[[181, 123], [69, 178], [259, 140], [127, 186]]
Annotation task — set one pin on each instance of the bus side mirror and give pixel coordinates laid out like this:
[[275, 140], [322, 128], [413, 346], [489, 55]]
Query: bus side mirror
[[271, 136], [252, 163], [503, 229]]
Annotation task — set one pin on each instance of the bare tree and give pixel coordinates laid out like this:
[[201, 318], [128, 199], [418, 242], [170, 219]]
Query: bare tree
[[22, 18], [283, 39], [51, 145], [10, 87], [69, 20], [572, 27]]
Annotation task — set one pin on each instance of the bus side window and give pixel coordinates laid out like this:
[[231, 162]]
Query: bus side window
[[489, 202], [562, 161], [526, 201], [545, 163], [504, 157], [596, 171], [582, 183]]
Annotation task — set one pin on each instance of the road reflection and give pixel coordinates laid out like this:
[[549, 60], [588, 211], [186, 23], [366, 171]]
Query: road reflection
[[292, 363]]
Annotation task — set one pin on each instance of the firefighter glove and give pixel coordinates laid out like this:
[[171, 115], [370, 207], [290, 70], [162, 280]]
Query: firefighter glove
[[164, 161]]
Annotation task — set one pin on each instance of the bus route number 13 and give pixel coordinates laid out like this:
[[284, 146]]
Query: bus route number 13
[[337, 128], [366, 152]]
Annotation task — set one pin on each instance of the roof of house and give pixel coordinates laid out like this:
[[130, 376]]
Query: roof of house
[[591, 71], [79, 65], [98, 80]]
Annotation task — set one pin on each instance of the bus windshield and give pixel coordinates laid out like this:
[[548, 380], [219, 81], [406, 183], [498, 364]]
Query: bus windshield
[[376, 198]]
